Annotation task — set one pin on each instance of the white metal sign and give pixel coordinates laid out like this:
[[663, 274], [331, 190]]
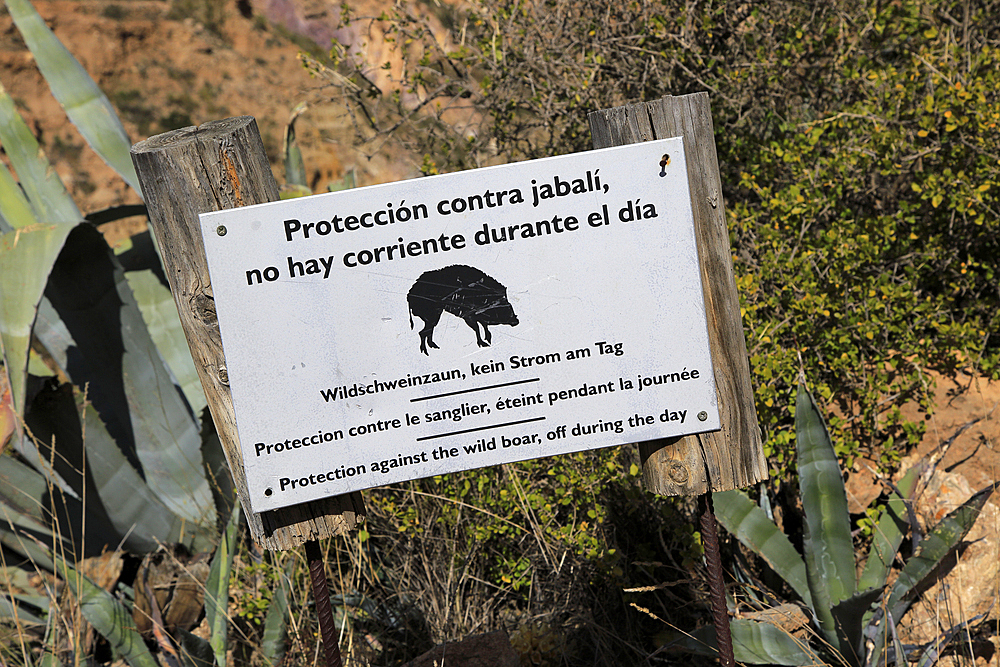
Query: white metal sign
[[454, 322]]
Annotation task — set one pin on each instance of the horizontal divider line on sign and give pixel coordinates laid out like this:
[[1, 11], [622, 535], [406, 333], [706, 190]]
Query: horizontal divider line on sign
[[469, 391], [481, 428]]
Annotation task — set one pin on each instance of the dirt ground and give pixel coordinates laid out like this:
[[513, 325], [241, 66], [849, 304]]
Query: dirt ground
[[962, 442], [974, 403], [962, 435]]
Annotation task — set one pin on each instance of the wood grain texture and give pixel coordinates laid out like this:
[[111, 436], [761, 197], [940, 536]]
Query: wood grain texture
[[732, 457], [221, 165]]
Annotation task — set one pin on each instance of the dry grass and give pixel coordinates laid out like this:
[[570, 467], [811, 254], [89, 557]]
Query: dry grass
[[427, 568]]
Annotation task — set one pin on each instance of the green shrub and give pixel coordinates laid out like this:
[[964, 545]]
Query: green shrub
[[858, 148], [552, 541], [864, 230]]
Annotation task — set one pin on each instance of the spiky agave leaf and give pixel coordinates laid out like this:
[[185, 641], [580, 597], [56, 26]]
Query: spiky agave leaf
[[853, 616], [934, 548], [148, 283], [829, 550], [95, 332], [217, 589], [20, 532], [136, 509], [274, 640], [108, 616], [131, 387], [748, 522], [24, 269], [295, 167], [120, 507], [46, 193], [14, 608], [24, 493], [193, 650], [754, 642], [850, 616], [27, 254], [15, 211], [72, 86], [887, 533]]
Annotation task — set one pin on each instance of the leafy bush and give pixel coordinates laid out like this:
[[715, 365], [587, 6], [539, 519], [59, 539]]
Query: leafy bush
[[857, 142], [542, 548], [866, 227]]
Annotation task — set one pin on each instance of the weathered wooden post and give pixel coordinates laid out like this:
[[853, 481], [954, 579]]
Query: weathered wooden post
[[732, 457], [222, 165]]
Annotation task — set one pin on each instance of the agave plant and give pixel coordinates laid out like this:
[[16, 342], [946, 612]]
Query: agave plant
[[102, 403], [71, 318], [853, 616]]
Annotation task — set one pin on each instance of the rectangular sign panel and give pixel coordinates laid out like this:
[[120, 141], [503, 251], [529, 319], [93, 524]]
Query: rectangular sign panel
[[454, 322]]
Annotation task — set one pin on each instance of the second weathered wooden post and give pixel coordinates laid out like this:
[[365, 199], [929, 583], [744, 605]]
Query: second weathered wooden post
[[732, 457]]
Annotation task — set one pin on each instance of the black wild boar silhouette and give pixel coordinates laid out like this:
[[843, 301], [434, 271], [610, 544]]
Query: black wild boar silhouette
[[463, 291]]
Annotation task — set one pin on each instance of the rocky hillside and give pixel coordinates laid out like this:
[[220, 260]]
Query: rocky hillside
[[168, 64]]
